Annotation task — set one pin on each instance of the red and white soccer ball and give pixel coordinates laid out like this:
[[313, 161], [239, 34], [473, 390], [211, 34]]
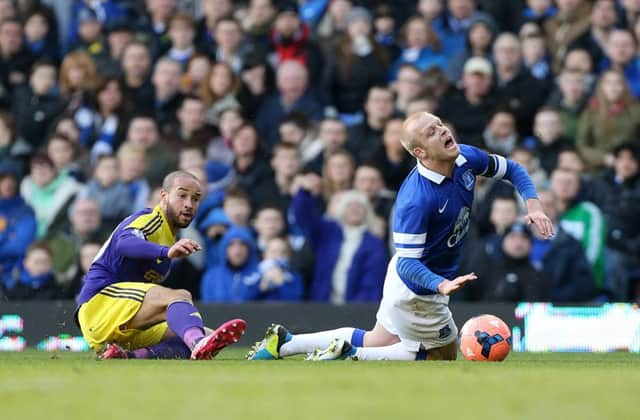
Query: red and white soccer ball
[[485, 338]]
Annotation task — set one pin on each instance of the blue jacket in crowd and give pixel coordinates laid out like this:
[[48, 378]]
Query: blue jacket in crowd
[[17, 230], [365, 277], [224, 283]]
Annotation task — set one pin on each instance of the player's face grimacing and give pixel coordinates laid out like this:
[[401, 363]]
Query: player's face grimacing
[[437, 140], [183, 201]]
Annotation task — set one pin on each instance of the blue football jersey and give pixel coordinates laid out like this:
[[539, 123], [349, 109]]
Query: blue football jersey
[[431, 217]]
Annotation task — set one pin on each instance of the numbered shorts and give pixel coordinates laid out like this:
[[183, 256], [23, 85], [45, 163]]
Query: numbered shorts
[[103, 318], [420, 321]]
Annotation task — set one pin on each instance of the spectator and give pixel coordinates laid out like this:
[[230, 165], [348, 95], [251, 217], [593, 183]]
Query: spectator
[[13, 150], [89, 37], [119, 36], [156, 23], [192, 128], [351, 260], [258, 82], [197, 69], [611, 119], [17, 220], [570, 98], [422, 47], [253, 173], [104, 11], [602, 21], [236, 278], [368, 180], [332, 136], [219, 149], [279, 282], [359, 64], [269, 224], [213, 227], [581, 219], [561, 260], [86, 255], [258, 22], [78, 79], [469, 109], [219, 91], [213, 11], [622, 56], [291, 41], [293, 95], [366, 137], [109, 191], [286, 165], [15, 57], [84, 224], [333, 25], [182, 34], [385, 25], [617, 192], [237, 207], [452, 26], [535, 57], [508, 276], [167, 97], [482, 32], [104, 127], [40, 34], [132, 161], [143, 131], [549, 139], [515, 86], [295, 129], [571, 160], [391, 158], [500, 136], [64, 155], [571, 22], [409, 85], [530, 163], [229, 46], [337, 173], [49, 193], [136, 68], [33, 279], [538, 11]]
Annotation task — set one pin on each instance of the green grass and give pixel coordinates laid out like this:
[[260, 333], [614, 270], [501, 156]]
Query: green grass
[[36, 385]]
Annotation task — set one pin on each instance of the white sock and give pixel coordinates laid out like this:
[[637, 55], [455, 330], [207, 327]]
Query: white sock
[[306, 343], [394, 352]]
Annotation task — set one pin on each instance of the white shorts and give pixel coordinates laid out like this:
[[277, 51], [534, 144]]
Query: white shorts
[[420, 321]]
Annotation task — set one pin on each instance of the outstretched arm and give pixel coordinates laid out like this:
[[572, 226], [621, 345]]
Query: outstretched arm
[[500, 167]]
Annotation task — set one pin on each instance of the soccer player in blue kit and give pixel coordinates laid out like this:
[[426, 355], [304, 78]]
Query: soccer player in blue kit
[[121, 304], [430, 222]]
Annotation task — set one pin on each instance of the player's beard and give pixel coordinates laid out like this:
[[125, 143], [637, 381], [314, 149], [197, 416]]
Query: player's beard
[[174, 218]]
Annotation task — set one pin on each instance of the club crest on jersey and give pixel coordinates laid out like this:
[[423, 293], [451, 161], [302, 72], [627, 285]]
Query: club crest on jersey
[[468, 179], [460, 229]]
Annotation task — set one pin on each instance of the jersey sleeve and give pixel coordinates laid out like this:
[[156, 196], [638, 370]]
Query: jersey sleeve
[[410, 229]]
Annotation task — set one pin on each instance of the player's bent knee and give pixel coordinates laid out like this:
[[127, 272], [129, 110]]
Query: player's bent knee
[[182, 294]]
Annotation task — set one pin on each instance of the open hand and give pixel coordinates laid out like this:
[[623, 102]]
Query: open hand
[[448, 287], [183, 248]]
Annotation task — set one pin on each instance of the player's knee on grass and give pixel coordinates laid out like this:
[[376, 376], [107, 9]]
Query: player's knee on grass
[[448, 352], [379, 337], [182, 294]]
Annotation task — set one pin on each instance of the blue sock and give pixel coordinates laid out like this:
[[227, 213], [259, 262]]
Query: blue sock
[[357, 338]]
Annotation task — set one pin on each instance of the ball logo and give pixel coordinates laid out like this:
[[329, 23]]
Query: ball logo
[[460, 229]]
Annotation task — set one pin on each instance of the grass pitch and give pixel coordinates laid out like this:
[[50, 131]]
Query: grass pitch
[[37, 385]]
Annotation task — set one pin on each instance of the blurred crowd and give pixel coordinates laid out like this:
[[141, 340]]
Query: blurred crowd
[[290, 112]]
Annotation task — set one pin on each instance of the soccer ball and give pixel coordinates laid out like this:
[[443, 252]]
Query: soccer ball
[[485, 338]]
